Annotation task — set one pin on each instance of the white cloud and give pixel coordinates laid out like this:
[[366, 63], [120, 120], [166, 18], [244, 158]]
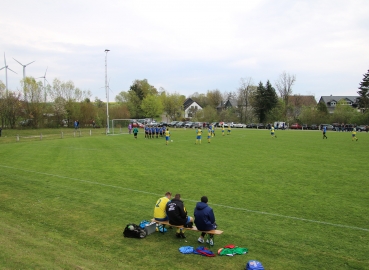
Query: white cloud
[[190, 46]]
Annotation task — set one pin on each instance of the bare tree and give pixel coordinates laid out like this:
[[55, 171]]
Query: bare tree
[[284, 86], [245, 91]]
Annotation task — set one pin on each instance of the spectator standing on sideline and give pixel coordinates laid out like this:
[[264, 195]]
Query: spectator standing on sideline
[[0, 131], [129, 128], [75, 124]]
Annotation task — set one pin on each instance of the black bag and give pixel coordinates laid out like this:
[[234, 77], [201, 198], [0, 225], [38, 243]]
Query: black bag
[[134, 231], [189, 225]]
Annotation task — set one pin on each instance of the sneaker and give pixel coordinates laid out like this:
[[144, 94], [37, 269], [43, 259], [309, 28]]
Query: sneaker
[[183, 235], [210, 242], [200, 240]]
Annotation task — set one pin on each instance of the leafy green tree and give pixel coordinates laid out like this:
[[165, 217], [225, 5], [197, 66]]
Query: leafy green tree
[[172, 104], [151, 106], [209, 114], [264, 100], [364, 92], [133, 98], [214, 98], [322, 108], [343, 113], [34, 104]]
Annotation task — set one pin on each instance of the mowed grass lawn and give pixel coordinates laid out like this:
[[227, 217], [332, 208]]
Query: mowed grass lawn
[[296, 202]]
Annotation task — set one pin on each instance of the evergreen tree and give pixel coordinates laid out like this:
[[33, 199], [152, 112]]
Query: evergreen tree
[[364, 92], [264, 100]]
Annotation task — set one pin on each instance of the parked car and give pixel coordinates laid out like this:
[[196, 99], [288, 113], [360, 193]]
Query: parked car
[[163, 124], [189, 124], [329, 126], [239, 125], [179, 124], [296, 126], [260, 126], [197, 125], [362, 128], [314, 127], [251, 125], [173, 123], [305, 126]]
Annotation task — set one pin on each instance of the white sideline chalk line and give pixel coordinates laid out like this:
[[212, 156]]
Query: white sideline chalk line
[[219, 205]]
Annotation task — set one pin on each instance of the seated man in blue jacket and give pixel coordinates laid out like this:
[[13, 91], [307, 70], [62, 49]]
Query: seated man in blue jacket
[[204, 219]]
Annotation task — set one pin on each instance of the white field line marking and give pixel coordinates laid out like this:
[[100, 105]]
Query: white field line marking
[[219, 205]]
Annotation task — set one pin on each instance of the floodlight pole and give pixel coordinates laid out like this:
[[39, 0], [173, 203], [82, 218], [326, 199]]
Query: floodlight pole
[[107, 90]]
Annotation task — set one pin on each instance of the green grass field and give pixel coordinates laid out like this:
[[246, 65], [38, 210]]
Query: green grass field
[[296, 202]]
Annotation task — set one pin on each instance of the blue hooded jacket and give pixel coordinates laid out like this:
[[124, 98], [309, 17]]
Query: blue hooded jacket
[[204, 217]]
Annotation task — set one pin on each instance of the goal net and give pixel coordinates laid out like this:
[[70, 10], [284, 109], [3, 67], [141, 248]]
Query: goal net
[[120, 126]]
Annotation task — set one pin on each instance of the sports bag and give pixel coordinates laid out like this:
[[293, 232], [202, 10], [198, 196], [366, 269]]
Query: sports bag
[[134, 231], [254, 265]]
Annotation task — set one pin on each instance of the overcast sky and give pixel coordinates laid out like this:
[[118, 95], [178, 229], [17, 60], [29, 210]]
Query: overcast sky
[[188, 46]]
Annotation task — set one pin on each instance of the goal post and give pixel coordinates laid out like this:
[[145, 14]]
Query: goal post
[[120, 126]]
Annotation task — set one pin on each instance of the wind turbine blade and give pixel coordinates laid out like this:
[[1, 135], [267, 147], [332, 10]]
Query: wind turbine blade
[[47, 81], [45, 72], [13, 71], [18, 61], [4, 59], [29, 63], [2, 68]]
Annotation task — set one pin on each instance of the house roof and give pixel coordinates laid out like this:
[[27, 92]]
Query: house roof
[[188, 102], [299, 100], [227, 103], [327, 99]]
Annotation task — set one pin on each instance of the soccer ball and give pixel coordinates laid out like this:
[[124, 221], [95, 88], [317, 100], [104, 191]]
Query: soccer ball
[[171, 141]]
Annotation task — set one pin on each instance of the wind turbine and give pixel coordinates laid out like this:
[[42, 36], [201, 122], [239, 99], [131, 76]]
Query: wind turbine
[[6, 74], [44, 77], [24, 67]]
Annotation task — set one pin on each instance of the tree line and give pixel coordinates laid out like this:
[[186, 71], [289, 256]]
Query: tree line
[[61, 103]]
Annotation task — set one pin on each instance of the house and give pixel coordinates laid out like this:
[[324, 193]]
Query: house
[[190, 108], [230, 103], [332, 101]]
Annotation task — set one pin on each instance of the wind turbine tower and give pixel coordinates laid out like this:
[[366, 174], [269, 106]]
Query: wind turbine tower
[[6, 74], [24, 67], [44, 77]]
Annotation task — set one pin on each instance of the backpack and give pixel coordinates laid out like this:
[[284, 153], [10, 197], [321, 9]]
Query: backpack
[[254, 265], [134, 231]]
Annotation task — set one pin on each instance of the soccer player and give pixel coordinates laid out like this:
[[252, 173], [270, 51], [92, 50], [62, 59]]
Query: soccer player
[[146, 132], [209, 134], [354, 134], [212, 131], [272, 132], [159, 210], [223, 130], [198, 135], [324, 131], [157, 132], [229, 129], [135, 131], [167, 136]]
